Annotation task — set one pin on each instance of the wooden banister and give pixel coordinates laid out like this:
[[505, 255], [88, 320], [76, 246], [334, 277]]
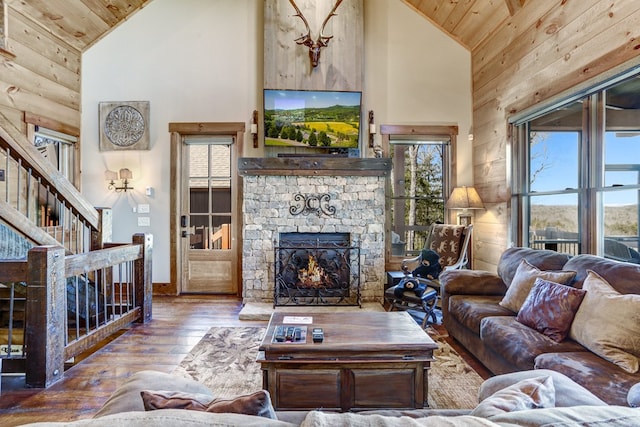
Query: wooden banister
[[44, 334], [48, 273], [11, 137]]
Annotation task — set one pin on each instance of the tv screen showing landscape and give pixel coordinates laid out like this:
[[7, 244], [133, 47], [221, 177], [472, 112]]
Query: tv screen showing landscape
[[319, 119]]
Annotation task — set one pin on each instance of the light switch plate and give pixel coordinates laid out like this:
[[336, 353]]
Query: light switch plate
[[143, 208], [144, 221]]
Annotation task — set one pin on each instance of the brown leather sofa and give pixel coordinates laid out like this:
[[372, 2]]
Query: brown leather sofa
[[473, 316]]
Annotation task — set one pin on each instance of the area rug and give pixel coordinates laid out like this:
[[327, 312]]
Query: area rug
[[225, 361]]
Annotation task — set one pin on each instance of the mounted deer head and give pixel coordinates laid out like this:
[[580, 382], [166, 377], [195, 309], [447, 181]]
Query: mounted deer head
[[322, 41]]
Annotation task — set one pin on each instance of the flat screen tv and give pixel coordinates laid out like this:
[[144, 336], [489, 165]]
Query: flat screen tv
[[319, 119]]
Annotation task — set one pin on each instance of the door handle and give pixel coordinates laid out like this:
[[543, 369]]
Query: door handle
[[184, 222]]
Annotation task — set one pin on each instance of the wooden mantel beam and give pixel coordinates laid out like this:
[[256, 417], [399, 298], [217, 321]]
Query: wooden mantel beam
[[314, 166]]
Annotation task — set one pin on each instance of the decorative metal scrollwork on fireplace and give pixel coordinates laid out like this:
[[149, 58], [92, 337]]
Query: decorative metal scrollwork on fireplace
[[307, 204]]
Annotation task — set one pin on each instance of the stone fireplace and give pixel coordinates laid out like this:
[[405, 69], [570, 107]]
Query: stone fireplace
[[318, 196]]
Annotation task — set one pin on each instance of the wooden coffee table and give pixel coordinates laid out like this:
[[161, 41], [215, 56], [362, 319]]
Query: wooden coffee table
[[367, 360]]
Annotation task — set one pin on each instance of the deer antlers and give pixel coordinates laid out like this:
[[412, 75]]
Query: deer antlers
[[322, 41]]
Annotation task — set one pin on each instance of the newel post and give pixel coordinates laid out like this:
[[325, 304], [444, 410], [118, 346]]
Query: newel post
[[104, 233], [143, 283], [45, 315]]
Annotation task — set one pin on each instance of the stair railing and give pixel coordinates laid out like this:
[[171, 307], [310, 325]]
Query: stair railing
[[40, 202], [74, 302]]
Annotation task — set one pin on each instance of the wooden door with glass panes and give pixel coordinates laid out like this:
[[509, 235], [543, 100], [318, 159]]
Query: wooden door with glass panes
[[209, 198]]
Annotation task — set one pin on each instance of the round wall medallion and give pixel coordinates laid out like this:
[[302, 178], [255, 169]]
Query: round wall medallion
[[124, 126]]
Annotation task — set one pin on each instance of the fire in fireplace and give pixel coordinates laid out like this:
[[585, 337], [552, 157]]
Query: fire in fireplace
[[316, 269]]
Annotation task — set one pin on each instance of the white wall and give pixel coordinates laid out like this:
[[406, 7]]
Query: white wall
[[416, 74], [201, 60]]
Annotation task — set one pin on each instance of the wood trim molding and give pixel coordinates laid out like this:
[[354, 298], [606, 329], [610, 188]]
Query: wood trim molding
[[208, 128], [419, 129], [52, 124], [178, 130]]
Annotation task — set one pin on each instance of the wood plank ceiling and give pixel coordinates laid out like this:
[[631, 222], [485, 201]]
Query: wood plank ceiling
[[81, 23], [467, 21]]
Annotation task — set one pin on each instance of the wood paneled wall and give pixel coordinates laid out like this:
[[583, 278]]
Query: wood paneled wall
[[2, 24], [43, 78], [287, 65], [544, 50]]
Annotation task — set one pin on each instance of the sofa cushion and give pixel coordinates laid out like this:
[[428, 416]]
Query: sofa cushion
[[469, 310], [170, 418], [633, 397], [550, 308], [608, 323], [258, 403], [523, 281], [622, 276], [519, 344], [127, 396], [604, 379], [327, 419], [575, 416], [530, 393], [542, 259], [568, 392]]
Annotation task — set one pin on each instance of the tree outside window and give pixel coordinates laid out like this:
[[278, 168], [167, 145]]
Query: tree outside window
[[417, 191], [576, 184]]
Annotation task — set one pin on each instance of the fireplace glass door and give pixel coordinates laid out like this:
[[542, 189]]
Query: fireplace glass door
[[316, 269]]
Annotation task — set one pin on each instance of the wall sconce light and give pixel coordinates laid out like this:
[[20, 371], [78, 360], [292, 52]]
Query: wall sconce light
[[254, 128], [464, 198], [125, 176], [372, 129]]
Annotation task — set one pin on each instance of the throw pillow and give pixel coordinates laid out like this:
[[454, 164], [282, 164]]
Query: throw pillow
[[165, 399], [550, 308], [523, 281], [633, 397], [258, 403], [608, 323], [530, 393]]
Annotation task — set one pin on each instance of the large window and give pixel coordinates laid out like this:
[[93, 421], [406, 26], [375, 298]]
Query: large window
[[417, 191], [59, 148], [576, 186]]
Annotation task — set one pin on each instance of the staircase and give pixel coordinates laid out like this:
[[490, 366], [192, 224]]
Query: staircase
[[59, 274], [39, 203]]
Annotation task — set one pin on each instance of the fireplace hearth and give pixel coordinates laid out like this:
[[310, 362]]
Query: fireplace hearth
[[316, 269]]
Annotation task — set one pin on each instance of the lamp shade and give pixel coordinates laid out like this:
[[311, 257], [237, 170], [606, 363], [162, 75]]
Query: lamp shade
[[125, 174], [110, 175], [464, 198]]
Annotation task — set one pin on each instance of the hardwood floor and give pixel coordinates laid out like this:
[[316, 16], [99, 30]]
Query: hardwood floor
[[178, 324]]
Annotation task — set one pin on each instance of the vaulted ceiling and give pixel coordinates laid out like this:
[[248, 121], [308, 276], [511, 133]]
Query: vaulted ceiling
[[467, 21], [81, 23]]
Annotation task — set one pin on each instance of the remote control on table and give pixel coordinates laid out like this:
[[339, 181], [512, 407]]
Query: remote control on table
[[317, 334], [289, 335], [280, 334]]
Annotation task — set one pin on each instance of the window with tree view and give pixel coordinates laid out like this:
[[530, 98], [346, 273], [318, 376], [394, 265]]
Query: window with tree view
[[577, 174], [419, 172]]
